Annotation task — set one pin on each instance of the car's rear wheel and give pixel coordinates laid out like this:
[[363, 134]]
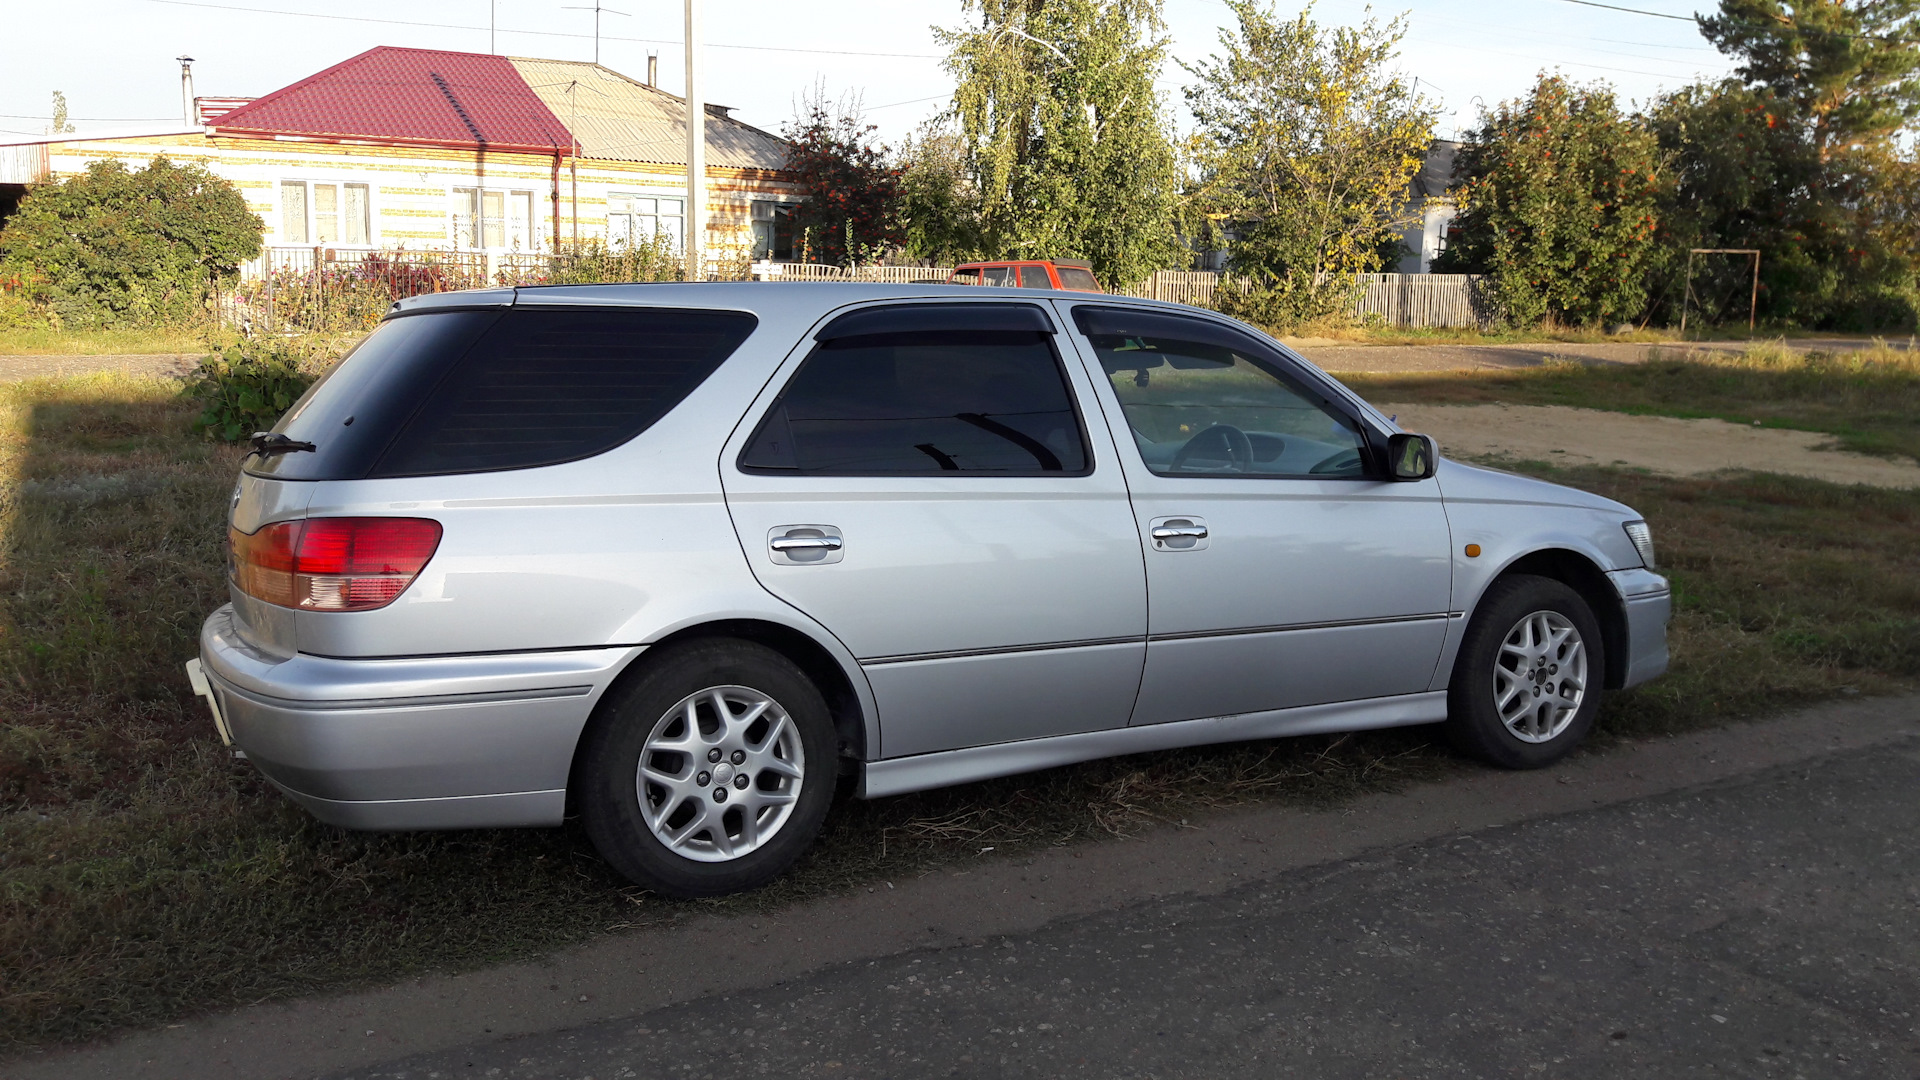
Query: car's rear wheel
[[1527, 684], [710, 772]]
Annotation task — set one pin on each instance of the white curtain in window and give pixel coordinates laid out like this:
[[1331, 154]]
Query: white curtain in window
[[326, 214], [354, 223], [293, 212]]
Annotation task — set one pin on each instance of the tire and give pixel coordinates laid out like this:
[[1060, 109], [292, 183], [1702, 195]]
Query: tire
[[728, 802], [1503, 659]]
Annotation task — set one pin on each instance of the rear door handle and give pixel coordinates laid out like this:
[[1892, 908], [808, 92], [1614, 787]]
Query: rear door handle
[[805, 545], [1178, 533]]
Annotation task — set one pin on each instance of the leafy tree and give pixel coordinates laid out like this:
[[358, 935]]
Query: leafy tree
[[1066, 142], [1799, 156], [1849, 68], [851, 213], [1309, 142], [117, 246], [937, 199], [1559, 205], [59, 125]]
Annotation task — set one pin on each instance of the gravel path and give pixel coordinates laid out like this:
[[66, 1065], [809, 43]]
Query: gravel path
[[1663, 444], [1341, 356], [15, 368]]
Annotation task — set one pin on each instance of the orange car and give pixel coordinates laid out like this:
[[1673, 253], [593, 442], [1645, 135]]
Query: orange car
[[1070, 274]]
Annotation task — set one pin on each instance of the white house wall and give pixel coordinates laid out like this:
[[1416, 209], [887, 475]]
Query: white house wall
[[410, 189]]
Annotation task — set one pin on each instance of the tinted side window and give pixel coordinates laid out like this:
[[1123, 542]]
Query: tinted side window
[[1203, 399], [969, 276], [1035, 277], [544, 386], [943, 398]]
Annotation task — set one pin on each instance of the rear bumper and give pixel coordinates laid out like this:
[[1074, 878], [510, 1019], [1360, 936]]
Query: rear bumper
[[1648, 600], [416, 743]]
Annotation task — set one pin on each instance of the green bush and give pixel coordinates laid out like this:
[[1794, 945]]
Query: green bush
[[113, 247], [1281, 303], [246, 387]]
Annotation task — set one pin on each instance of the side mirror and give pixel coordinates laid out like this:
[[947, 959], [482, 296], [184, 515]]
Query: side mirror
[[1411, 457]]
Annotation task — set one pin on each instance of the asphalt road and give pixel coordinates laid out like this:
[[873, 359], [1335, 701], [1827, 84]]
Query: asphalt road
[[1759, 927]]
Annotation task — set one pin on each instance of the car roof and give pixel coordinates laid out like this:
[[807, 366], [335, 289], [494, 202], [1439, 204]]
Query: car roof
[[753, 295]]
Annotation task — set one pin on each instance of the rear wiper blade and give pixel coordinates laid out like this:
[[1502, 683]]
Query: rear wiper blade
[[268, 443]]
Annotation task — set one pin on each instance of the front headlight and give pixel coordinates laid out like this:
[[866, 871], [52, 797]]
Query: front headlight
[[1642, 538]]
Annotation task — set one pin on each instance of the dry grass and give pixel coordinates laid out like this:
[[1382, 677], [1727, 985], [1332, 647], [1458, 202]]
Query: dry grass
[[144, 875], [44, 342], [1869, 399]]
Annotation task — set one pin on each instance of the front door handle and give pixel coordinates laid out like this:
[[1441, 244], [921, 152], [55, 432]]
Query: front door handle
[[805, 545], [1177, 533]]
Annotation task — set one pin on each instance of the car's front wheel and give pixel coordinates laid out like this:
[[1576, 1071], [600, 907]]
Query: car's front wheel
[[710, 772], [1528, 680]]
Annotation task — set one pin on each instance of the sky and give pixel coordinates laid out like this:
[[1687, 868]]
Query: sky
[[114, 59]]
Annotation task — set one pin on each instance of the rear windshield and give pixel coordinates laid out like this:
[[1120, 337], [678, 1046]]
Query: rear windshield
[[476, 391], [1077, 277]]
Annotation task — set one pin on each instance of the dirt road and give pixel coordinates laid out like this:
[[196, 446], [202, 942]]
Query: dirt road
[[1343, 357], [15, 368], [1662, 444]]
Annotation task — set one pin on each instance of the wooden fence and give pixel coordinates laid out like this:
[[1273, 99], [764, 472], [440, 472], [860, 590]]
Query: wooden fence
[[1402, 300]]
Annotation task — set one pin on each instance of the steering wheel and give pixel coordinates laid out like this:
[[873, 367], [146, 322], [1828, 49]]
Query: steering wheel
[[1239, 448], [1345, 461]]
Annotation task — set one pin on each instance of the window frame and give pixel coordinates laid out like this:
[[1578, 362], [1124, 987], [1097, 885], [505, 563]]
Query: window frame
[[1290, 371], [809, 347], [311, 216], [470, 200], [624, 242]]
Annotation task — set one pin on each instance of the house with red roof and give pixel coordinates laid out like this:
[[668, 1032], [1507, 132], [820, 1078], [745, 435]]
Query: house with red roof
[[422, 149]]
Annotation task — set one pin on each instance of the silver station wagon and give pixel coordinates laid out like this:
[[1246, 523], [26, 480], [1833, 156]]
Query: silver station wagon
[[679, 558]]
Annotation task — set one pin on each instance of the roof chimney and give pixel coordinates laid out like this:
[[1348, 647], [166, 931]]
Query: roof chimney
[[186, 89], [653, 69]]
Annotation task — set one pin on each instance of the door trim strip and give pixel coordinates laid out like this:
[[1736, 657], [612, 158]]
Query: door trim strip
[[897, 776], [959, 654], [1188, 635]]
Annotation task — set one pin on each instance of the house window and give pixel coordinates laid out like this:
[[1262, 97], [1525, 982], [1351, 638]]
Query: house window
[[493, 219], [315, 213], [637, 219], [772, 230]]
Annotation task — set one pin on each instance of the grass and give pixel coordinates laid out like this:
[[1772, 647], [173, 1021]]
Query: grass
[[40, 341], [1869, 400], [145, 876]]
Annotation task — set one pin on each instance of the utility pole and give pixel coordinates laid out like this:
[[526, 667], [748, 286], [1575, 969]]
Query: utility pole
[[492, 46], [696, 219]]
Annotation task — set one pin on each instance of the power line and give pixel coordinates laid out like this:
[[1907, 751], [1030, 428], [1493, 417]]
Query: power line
[[1631, 11], [539, 33]]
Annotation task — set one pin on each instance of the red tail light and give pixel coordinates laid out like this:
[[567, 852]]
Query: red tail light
[[332, 564]]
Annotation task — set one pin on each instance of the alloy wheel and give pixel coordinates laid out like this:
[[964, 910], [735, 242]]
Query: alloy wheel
[[720, 773], [1540, 676]]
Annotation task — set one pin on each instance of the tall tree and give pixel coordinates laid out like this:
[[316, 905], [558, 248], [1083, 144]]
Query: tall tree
[[1559, 204], [1067, 144], [60, 126], [1309, 140], [1850, 68], [937, 197], [851, 212], [1799, 156]]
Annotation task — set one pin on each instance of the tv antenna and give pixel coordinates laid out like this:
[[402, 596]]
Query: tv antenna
[[597, 8]]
